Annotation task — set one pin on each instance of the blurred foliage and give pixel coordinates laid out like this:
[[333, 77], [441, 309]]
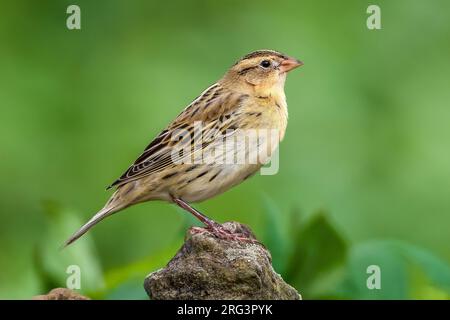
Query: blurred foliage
[[51, 264], [316, 259], [407, 272], [318, 255], [367, 139], [323, 265]]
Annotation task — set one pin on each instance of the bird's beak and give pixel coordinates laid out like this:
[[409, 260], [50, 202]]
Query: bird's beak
[[290, 64]]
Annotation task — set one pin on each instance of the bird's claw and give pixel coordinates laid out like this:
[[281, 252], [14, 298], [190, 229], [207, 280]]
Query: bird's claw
[[220, 232]]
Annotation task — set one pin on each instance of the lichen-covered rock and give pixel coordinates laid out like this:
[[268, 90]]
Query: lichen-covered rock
[[61, 294], [210, 268]]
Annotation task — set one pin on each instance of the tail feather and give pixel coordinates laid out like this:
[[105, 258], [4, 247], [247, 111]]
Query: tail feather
[[123, 197], [99, 216]]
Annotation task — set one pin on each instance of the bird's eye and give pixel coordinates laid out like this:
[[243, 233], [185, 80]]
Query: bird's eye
[[265, 63]]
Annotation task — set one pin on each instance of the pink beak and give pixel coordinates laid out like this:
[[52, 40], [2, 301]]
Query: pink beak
[[289, 64]]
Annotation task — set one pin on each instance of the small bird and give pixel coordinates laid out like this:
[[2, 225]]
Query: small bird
[[250, 96]]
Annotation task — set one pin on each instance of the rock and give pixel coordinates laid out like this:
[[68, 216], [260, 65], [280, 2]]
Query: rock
[[210, 268], [61, 294]]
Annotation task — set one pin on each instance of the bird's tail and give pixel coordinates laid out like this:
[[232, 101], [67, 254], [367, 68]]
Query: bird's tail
[[110, 208], [122, 198]]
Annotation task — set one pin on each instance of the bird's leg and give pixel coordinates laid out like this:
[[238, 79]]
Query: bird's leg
[[211, 224], [216, 228]]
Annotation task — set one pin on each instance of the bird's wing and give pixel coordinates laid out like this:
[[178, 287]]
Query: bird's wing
[[215, 109]]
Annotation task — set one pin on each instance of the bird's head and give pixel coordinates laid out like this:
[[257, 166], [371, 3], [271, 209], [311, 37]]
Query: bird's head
[[260, 71]]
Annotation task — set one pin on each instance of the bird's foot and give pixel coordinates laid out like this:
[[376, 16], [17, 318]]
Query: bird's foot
[[220, 232]]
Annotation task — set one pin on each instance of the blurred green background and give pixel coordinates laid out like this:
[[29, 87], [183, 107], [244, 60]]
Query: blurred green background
[[364, 169]]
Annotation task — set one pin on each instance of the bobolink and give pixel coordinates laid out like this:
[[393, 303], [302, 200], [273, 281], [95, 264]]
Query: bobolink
[[250, 96]]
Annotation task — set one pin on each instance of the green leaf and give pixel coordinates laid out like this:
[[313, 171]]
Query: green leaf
[[132, 289], [126, 282], [435, 269], [276, 238], [317, 259], [393, 276], [407, 272], [51, 261], [423, 288]]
